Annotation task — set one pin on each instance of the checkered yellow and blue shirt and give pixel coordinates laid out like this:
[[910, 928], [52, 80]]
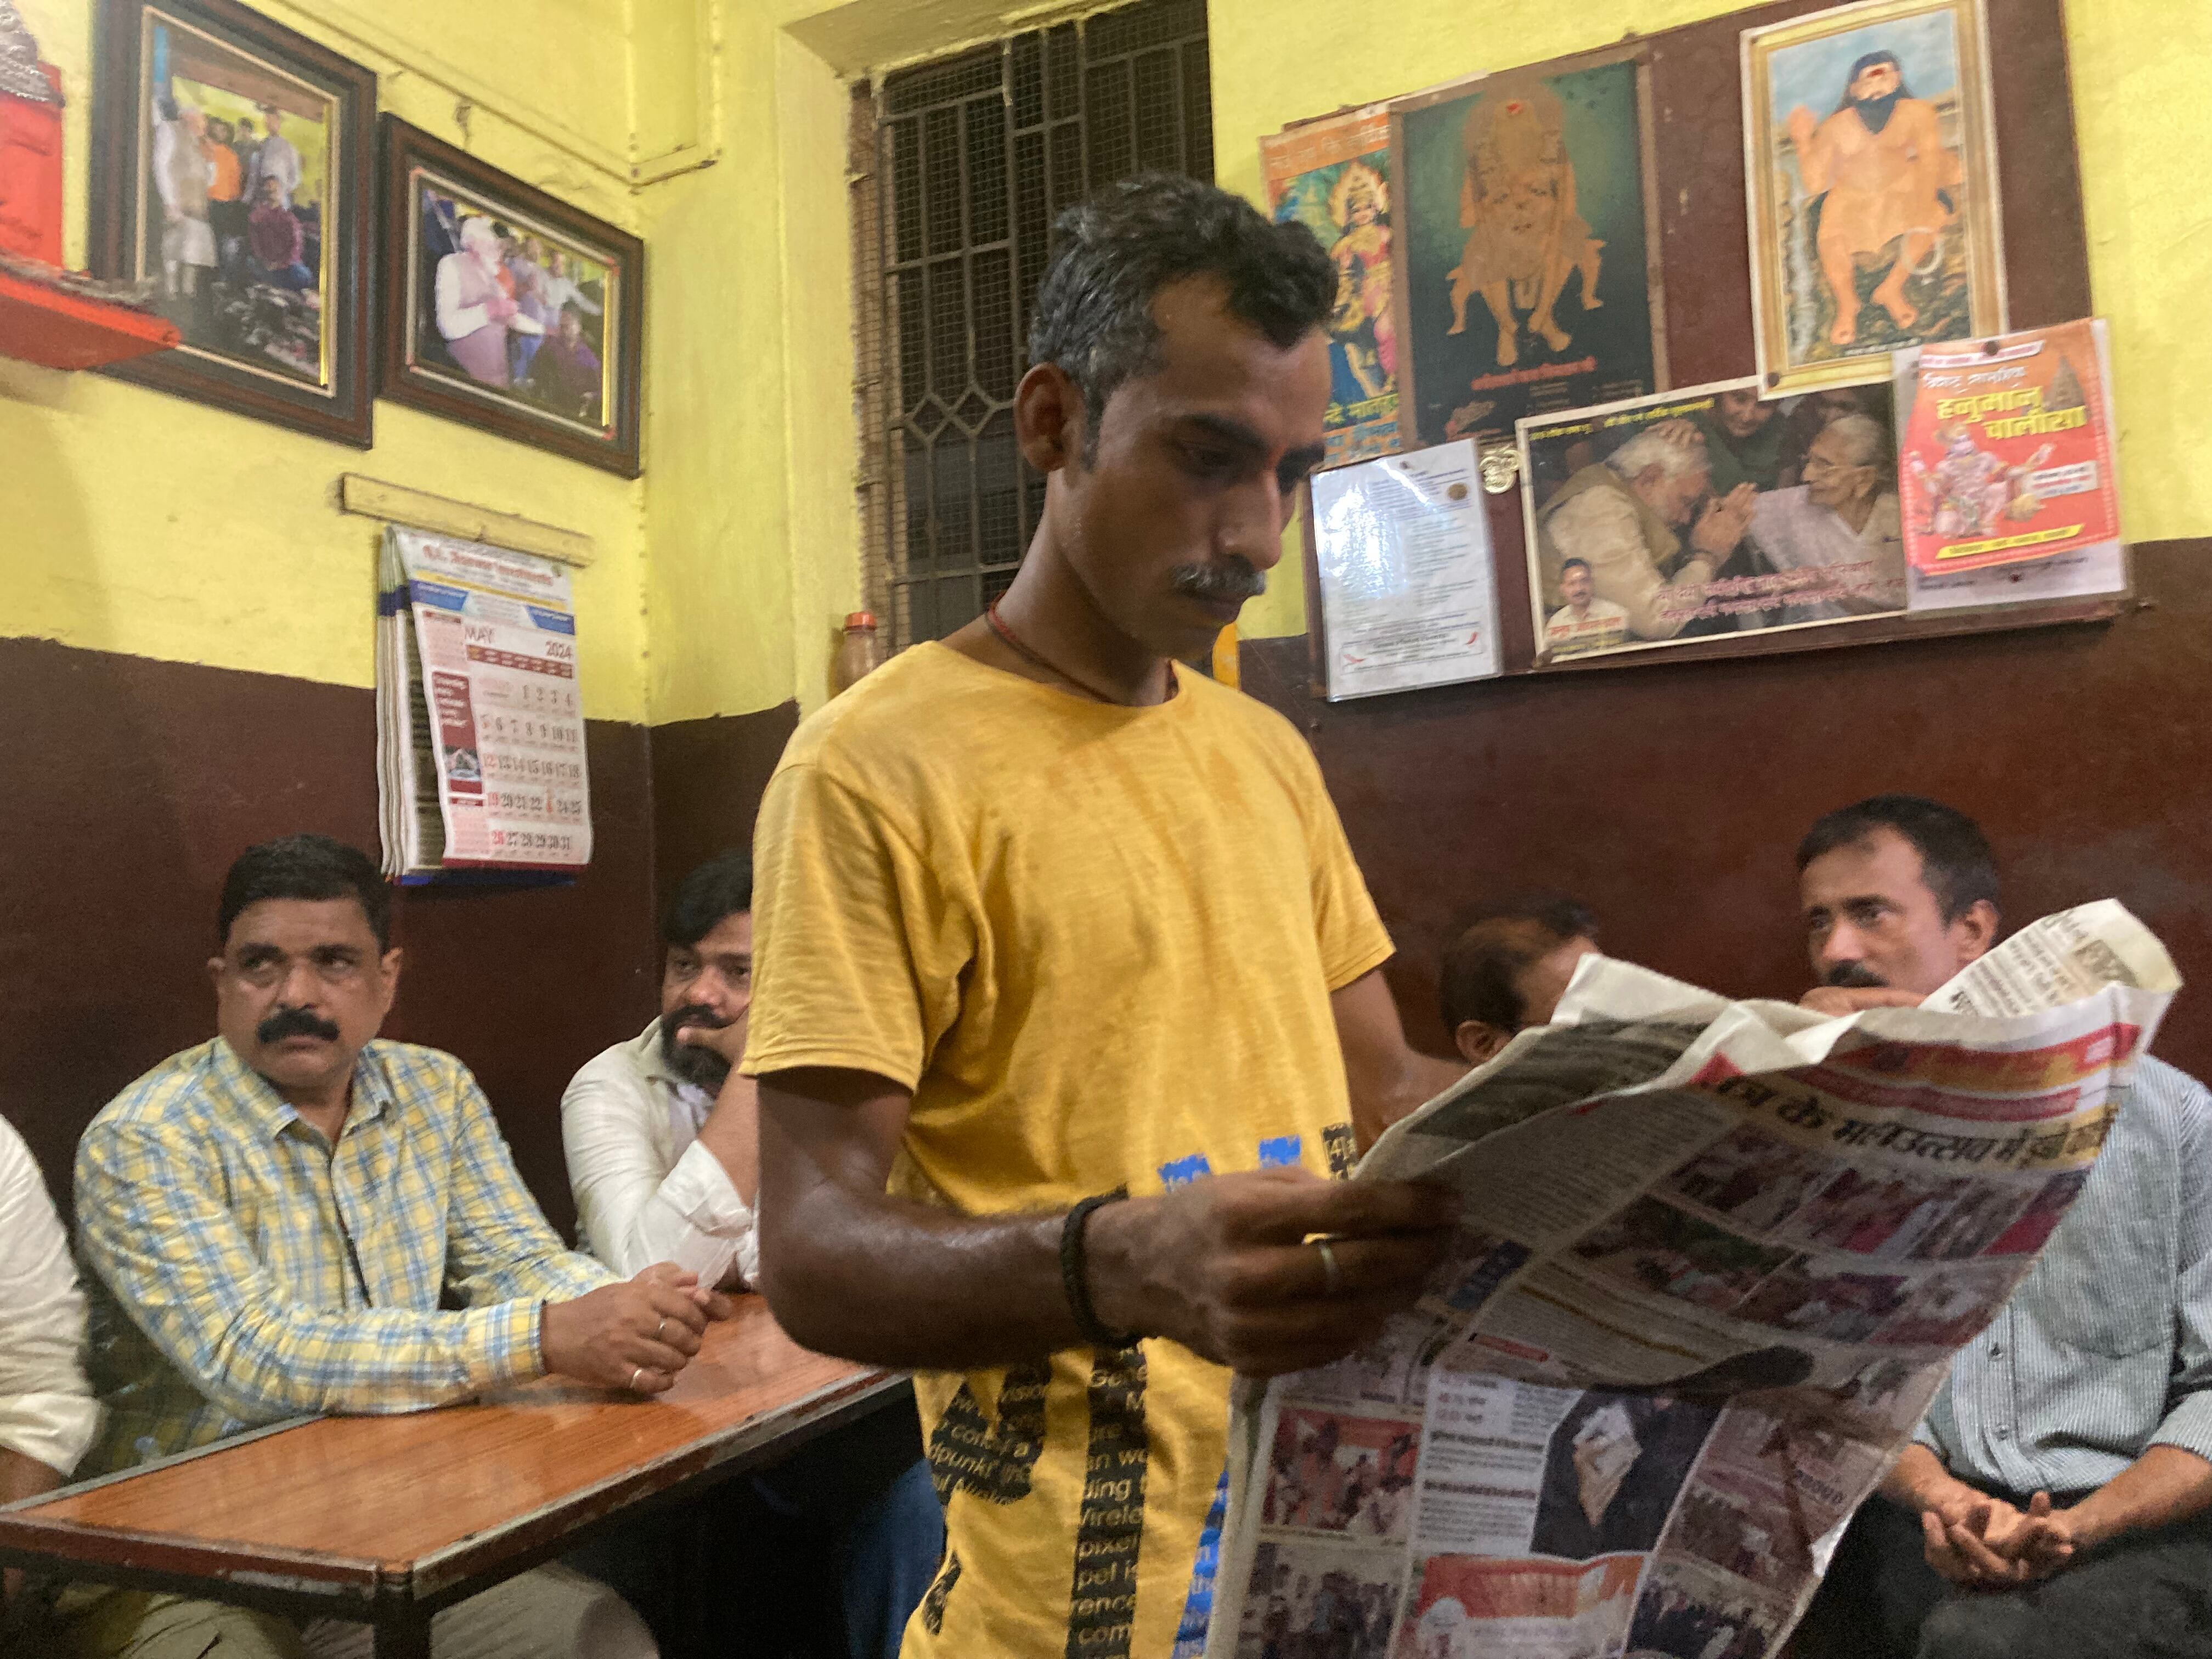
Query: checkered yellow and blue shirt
[[242, 1271]]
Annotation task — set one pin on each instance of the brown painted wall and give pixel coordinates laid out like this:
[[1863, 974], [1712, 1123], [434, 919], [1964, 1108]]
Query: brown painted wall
[[130, 785], [1671, 796], [708, 776]]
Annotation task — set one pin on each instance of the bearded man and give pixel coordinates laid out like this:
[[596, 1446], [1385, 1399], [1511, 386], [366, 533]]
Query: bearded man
[[1881, 162]]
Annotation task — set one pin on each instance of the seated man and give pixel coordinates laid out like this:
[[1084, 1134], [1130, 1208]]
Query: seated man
[[663, 1140], [276, 1219], [2054, 1504], [1509, 969], [47, 1415]]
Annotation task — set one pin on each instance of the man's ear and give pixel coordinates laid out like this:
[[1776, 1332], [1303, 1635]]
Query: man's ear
[[1478, 1040], [1049, 424], [390, 964], [1973, 929], [215, 972]]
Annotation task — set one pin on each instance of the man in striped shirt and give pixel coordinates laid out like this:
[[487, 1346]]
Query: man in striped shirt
[[2056, 1502], [275, 1221]]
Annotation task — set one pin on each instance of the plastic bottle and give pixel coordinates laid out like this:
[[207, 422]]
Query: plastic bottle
[[861, 652]]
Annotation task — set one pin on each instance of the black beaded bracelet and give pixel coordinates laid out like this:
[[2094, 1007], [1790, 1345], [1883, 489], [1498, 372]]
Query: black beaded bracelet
[[1076, 1281]]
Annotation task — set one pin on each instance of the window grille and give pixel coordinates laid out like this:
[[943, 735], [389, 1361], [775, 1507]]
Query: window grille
[[961, 166]]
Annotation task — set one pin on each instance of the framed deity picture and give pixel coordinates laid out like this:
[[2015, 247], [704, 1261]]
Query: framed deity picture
[[506, 308], [1527, 243], [1332, 176], [232, 170], [1871, 168]]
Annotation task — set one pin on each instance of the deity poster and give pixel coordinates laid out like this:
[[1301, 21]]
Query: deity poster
[[1332, 175], [1528, 246], [2007, 447], [1871, 168]]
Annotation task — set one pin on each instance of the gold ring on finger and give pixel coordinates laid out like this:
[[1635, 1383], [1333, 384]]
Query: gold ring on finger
[[660, 1331], [1332, 1275], [635, 1372]]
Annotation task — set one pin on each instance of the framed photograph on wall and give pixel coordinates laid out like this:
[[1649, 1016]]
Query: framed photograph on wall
[[1871, 168], [1528, 246], [1710, 513], [507, 309], [233, 168]]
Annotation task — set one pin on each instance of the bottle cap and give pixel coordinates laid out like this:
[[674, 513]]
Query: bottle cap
[[860, 619]]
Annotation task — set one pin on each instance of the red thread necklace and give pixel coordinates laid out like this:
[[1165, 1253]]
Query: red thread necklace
[[1014, 644]]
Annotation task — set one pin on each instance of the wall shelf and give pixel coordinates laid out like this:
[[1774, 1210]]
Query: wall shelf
[[59, 330]]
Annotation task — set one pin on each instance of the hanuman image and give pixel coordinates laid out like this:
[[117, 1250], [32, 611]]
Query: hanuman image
[[1525, 235]]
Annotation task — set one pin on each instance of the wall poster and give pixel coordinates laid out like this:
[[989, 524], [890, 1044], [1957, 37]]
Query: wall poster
[[2008, 481], [1332, 175], [1871, 170], [1710, 511], [1529, 245]]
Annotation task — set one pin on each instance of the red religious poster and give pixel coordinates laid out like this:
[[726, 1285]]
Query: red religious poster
[[2005, 448]]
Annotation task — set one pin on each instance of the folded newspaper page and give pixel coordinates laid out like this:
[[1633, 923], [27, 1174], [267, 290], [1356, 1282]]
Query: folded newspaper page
[[1714, 1259]]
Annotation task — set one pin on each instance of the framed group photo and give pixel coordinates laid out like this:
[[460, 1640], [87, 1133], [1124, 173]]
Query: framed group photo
[[507, 309], [234, 172]]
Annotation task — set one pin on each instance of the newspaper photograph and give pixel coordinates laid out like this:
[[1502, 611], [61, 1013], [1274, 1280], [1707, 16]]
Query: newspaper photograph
[[1714, 1258]]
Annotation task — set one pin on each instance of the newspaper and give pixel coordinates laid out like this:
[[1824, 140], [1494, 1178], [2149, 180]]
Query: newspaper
[[480, 732], [1714, 1258]]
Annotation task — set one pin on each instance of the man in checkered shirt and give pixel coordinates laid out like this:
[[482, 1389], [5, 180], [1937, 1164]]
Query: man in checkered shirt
[[277, 1222]]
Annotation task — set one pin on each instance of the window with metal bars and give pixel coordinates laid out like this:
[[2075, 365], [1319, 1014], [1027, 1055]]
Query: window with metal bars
[[961, 167]]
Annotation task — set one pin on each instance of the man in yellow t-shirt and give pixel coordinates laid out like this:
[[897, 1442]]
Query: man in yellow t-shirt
[[1064, 944]]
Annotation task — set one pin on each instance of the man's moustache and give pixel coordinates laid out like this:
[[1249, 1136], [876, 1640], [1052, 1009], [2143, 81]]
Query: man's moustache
[[1857, 976], [1233, 581], [696, 1014], [295, 1021]]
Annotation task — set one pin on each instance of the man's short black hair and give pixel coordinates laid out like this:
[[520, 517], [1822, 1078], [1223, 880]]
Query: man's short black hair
[[1955, 860], [1565, 565], [722, 886], [306, 867], [1493, 949], [1116, 252]]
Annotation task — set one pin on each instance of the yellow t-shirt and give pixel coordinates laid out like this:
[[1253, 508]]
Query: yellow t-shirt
[[1098, 943]]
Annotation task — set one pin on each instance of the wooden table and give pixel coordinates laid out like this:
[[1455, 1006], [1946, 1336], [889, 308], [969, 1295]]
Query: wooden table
[[384, 1520]]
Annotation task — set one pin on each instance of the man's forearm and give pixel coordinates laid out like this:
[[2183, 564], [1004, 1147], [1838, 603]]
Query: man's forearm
[[893, 1283], [1917, 1479], [2164, 1485]]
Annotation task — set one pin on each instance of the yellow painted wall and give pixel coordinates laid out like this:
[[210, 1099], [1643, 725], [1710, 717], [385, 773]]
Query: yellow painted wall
[[2139, 67], [2142, 127], [134, 521]]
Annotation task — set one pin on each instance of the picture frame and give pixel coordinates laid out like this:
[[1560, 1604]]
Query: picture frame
[[233, 168], [505, 309], [1923, 252], [1478, 226]]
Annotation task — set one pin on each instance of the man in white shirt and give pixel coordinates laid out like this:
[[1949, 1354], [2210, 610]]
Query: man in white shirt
[[662, 1135], [47, 1413], [1585, 623]]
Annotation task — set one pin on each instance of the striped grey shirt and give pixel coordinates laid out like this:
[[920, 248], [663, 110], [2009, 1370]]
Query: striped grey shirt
[[2106, 1349]]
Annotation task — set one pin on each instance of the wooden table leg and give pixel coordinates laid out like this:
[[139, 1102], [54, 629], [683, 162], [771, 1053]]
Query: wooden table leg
[[403, 1636]]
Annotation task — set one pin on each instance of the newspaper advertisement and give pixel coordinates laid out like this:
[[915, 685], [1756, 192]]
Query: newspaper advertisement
[[1408, 593], [1714, 1259], [495, 644]]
